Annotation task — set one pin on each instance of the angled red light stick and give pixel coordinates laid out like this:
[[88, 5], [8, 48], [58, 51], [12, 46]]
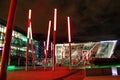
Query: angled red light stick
[[47, 45], [48, 36], [7, 41], [54, 37], [69, 39], [30, 30]]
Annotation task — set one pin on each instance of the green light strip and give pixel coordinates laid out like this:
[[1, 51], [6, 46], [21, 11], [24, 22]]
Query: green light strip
[[11, 67]]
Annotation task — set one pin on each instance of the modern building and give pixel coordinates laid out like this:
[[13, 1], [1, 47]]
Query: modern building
[[83, 52], [18, 44]]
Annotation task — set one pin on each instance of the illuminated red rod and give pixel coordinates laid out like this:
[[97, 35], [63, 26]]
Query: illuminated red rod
[[51, 52], [33, 59], [48, 36], [29, 23], [44, 47], [47, 45], [51, 46], [30, 31], [62, 51], [69, 34], [28, 37], [54, 37], [7, 40], [69, 39], [55, 19], [45, 50], [63, 54], [30, 34], [26, 67], [29, 16]]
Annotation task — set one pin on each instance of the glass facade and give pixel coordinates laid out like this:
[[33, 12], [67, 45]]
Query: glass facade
[[18, 47], [84, 52]]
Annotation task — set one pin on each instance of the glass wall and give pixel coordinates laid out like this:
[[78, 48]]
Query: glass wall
[[18, 47], [83, 52]]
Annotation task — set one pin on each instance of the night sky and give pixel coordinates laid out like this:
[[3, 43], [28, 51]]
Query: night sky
[[91, 20]]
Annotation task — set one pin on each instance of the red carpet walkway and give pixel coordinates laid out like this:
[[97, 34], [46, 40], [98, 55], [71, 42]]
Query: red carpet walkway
[[61, 73]]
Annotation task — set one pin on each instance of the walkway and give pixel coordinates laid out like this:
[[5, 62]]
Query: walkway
[[61, 73]]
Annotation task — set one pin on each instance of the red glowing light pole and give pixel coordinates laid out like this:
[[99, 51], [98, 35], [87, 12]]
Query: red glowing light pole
[[45, 62], [69, 39], [62, 52], [33, 59], [26, 68], [54, 37], [30, 30], [51, 52], [44, 47], [7, 41], [29, 39], [48, 39]]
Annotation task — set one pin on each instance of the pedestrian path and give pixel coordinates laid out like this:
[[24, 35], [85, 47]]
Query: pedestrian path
[[60, 73]]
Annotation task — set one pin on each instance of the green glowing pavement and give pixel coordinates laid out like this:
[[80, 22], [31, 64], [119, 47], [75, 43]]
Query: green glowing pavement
[[10, 67]]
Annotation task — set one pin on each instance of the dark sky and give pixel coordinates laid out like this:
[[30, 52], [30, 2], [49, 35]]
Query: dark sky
[[91, 20]]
